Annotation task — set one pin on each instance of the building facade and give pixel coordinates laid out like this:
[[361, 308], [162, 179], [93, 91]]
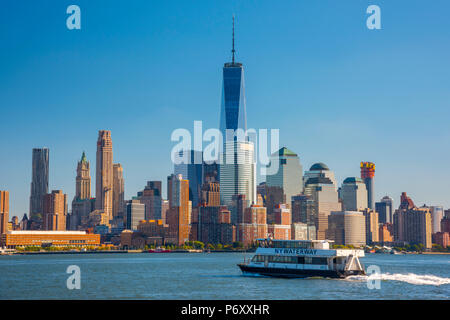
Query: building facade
[[368, 174], [347, 228], [135, 212], [39, 182], [237, 172], [179, 214], [385, 209], [353, 194], [289, 175], [82, 203], [104, 174], [118, 205], [322, 190], [55, 211], [4, 211]]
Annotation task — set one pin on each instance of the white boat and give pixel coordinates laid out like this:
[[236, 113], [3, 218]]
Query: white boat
[[302, 259]]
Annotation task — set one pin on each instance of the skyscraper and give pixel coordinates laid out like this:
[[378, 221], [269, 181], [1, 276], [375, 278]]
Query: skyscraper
[[385, 209], [412, 224], [192, 171], [354, 194], [151, 197], [118, 191], [135, 212], [367, 174], [233, 111], [55, 211], [437, 214], [238, 172], [104, 174], [321, 188], [347, 228], [83, 179], [289, 175], [178, 216], [81, 204], [39, 182], [4, 211]]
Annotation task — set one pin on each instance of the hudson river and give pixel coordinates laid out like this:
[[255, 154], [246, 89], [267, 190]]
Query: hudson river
[[210, 276]]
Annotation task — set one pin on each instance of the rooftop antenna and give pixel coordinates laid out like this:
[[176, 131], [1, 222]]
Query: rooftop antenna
[[233, 51]]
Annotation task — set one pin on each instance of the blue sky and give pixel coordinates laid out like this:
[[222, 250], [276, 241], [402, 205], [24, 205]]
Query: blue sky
[[338, 92]]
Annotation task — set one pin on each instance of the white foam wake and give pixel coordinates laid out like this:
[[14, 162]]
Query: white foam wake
[[411, 278]]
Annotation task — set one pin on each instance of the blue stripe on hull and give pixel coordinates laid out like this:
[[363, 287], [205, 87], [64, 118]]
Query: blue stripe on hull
[[295, 273]]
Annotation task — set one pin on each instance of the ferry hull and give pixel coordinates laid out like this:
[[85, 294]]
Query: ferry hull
[[297, 273]]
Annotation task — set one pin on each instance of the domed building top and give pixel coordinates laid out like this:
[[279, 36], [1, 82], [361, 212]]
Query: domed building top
[[319, 167], [353, 180]]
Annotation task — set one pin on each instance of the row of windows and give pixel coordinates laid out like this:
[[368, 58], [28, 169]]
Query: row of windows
[[290, 259], [77, 241]]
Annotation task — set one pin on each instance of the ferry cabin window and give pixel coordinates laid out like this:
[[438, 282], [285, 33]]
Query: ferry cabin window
[[317, 260], [282, 259], [258, 258]]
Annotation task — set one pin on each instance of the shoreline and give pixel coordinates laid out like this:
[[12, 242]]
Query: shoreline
[[120, 251]]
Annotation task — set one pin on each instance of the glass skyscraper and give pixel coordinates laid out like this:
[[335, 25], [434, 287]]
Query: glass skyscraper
[[232, 113], [237, 169]]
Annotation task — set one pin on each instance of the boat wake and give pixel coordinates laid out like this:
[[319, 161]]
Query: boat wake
[[410, 278]]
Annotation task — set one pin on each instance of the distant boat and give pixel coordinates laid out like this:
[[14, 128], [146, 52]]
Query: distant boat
[[159, 250]]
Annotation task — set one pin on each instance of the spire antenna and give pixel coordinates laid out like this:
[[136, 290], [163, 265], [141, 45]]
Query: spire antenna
[[233, 51]]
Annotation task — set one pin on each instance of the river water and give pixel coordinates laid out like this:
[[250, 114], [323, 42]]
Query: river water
[[211, 276]]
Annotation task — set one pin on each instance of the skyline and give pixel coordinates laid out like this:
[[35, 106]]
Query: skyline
[[137, 105]]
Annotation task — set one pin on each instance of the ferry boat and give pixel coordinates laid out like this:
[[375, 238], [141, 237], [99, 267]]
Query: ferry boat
[[302, 259]]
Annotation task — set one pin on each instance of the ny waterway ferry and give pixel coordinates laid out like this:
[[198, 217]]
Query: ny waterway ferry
[[302, 259]]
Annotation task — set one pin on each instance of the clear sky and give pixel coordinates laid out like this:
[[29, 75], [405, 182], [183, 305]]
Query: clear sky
[[339, 92]]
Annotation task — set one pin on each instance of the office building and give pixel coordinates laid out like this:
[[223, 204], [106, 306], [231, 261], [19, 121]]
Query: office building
[[274, 196], [214, 225], [118, 204], [385, 209], [353, 194], [289, 176], [55, 211], [151, 197], [237, 172], [386, 233], [303, 209], [39, 182], [319, 170], [179, 215], [233, 110], [254, 225], [135, 212], [210, 195], [437, 214], [372, 226], [104, 174], [82, 203], [303, 231], [412, 224], [320, 187], [347, 228], [191, 169], [368, 174], [4, 211]]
